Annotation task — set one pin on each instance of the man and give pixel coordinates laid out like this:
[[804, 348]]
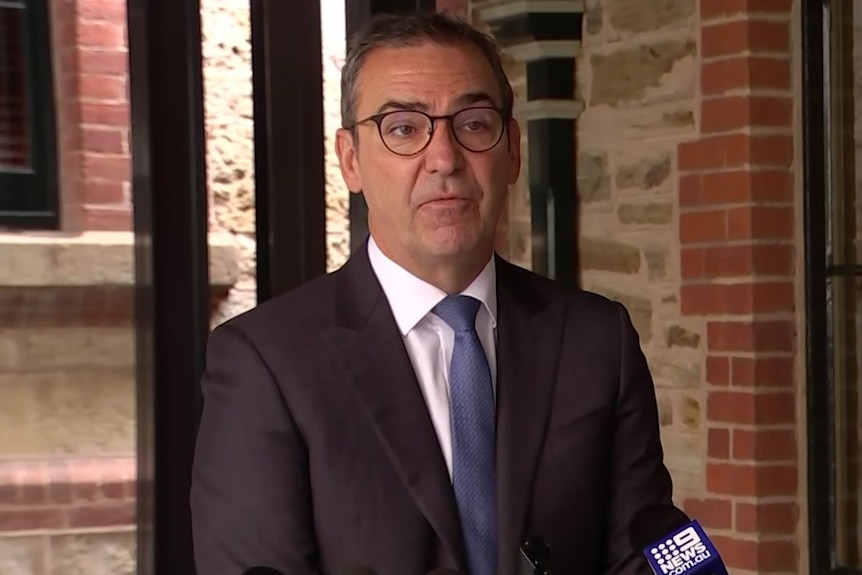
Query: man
[[429, 404]]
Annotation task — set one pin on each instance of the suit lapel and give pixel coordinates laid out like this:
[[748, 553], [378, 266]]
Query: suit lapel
[[529, 336], [366, 338]]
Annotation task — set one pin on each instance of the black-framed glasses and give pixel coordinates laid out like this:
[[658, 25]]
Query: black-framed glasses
[[408, 132]]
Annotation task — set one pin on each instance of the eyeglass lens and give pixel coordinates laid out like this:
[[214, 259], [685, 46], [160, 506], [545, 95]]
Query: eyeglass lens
[[407, 132]]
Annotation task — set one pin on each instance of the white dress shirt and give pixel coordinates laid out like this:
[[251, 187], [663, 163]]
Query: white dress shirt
[[429, 340]]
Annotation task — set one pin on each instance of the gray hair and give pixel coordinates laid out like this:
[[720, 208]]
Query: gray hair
[[406, 30]]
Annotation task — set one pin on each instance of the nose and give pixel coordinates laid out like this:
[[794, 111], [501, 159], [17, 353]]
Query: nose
[[443, 154]]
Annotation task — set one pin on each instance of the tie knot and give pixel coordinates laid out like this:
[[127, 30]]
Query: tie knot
[[459, 312]]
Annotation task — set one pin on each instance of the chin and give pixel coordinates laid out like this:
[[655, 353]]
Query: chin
[[453, 243]]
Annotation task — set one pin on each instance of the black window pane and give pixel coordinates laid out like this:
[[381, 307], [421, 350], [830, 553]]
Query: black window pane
[[15, 137]]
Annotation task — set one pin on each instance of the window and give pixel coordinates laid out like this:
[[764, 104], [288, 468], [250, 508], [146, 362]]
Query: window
[[28, 165], [832, 54]]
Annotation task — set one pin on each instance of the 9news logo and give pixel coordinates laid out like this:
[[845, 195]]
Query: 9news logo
[[680, 553]]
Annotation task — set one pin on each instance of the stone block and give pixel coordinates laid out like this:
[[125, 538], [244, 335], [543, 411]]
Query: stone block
[[677, 370], [603, 125], [65, 348], [645, 173], [638, 16], [594, 182], [608, 255], [689, 412], [656, 261], [665, 408], [678, 336], [684, 459], [112, 553], [67, 411], [23, 555], [661, 71], [593, 16], [646, 214]]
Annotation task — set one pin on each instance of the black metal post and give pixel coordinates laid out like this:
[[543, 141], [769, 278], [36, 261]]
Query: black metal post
[[290, 186], [172, 312], [357, 13]]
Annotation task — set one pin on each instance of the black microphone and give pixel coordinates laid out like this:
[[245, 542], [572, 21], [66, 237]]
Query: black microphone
[[260, 570], [534, 556], [674, 544]]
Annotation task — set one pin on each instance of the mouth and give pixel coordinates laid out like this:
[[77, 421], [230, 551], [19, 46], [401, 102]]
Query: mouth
[[446, 202]]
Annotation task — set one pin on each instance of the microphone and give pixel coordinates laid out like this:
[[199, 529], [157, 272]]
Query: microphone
[[260, 570], [674, 544], [534, 557]]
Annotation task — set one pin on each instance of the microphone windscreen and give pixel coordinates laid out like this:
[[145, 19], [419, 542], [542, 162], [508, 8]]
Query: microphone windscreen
[[357, 570], [653, 522], [262, 571]]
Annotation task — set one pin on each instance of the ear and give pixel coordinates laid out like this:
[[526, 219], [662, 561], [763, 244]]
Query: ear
[[348, 159], [514, 132]]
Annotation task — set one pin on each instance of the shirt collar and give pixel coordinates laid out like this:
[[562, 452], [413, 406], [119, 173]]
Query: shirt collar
[[411, 298]]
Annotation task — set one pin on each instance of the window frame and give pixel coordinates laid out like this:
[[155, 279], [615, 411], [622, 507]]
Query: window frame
[[29, 198], [820, 146]]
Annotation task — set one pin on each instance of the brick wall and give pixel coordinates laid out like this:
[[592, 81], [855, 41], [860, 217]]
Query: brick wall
[[688, 183], [91, 70], [737, 225]]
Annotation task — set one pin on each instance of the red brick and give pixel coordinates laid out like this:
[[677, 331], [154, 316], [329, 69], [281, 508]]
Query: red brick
[[700, 227], [736, 298], [748, 260], [113, 11], [102, 88], [96, 192], [729, 113], [717, 370], [711, 513], [756, 36], [8, 493], [763, 372], [103, 62], [101, 35], [18, 519], [735, 150], [111, 168], [767, 518], [102, 515], [718, 443], [751, 408], [116, 115], [104, 141], [745, 72], [761, 223], [736, 187], [751, 480], [108, 219], [759, 556], [771, 335], [723, 8], [765, 445], [692, 263]]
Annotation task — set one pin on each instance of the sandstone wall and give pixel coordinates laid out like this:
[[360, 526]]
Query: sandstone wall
[[229, 132], [637, 78]]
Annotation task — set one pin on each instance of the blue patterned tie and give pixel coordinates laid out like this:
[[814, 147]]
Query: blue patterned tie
[[471, 405]]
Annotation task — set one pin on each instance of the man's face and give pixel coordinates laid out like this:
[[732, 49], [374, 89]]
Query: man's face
[[443, 202]]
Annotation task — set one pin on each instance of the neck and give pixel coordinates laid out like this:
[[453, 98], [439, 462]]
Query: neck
[[449, 274]]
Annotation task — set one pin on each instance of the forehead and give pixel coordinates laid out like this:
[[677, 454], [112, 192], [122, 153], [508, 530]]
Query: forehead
[[432, 74]]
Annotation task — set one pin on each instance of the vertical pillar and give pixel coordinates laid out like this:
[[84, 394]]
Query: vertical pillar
[[546, 37]]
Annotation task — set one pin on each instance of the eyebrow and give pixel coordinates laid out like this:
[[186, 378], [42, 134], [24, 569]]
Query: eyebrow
[[466, 99]]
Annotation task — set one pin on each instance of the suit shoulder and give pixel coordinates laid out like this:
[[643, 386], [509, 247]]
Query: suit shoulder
[[557, 292], [296, 310]]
